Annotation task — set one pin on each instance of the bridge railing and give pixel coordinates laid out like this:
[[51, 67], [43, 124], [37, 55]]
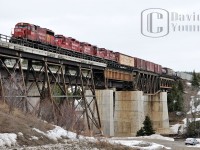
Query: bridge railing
[[4, 38], [50, 48]]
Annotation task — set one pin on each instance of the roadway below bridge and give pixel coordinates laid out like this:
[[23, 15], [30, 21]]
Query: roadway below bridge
[[178, 144]]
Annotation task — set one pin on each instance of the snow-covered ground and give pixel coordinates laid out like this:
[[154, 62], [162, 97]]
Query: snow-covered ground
[[133, 142], [139, 144], [194, 99], [58, 133], [9, 139], [189, 84]]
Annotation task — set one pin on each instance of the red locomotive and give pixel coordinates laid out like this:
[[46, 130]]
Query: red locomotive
[[34, 33], [63, 42], [45, 36], [101, 53], [87, 48]]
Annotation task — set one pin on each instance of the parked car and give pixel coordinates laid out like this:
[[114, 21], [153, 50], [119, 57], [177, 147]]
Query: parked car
[[191, 141]]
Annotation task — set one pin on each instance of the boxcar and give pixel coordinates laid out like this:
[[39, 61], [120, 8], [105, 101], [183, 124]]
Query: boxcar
[[157, 68], [168, 71], [124, 59], [140, 63], [150, 66]]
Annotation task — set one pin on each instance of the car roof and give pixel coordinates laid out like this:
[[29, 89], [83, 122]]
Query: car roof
[[190, 138]]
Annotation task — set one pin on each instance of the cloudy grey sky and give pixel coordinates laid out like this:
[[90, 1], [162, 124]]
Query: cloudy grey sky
[[112, 24]]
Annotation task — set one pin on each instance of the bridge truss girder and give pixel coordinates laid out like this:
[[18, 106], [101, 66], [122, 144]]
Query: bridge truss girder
[[147, 82], [46, 80]]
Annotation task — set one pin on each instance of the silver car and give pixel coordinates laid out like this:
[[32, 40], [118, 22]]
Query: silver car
[[191, 141]]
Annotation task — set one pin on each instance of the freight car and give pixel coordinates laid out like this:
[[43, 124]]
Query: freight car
[[140, 63], [168, 71], [37, 34], [158, 69], [101, 52], [124, 59]]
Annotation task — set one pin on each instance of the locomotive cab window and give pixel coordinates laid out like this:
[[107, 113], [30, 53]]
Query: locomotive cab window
[[58, 36], [50, 32], [22, 26]]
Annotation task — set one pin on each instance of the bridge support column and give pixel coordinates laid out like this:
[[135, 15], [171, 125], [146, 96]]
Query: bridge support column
[[105, 105], [129, 112], [159, 113]]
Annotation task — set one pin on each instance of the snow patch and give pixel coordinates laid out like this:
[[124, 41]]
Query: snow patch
[[153, 136], [159, 137], [189, 84], [7, 139], [178, 128], [58, 133], [142, 145], [20, 134], [33, 138]]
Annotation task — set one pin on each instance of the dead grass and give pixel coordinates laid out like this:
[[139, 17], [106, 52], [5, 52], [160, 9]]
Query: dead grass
[[16, 122]]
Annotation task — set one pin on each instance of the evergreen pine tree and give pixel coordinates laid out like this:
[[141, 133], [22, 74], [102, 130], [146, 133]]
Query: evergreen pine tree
[[176, 94], [195, 81], [148, 128], [198, 77], [180, 86], [140, 132]]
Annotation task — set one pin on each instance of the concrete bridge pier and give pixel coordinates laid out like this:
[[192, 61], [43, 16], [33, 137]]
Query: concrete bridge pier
[[105, 99], [122, 112], [129, 112], [159, 112]]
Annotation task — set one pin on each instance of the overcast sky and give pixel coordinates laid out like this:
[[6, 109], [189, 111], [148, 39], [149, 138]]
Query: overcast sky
[[112, 24]]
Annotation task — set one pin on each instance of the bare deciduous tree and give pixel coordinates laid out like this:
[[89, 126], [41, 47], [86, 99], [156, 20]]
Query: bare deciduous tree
[[13, 92]]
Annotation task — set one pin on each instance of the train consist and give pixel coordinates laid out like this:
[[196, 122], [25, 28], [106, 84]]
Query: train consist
[[45, 36]]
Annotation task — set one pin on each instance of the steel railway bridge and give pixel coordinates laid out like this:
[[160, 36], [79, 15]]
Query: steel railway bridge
[[72, 73]]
